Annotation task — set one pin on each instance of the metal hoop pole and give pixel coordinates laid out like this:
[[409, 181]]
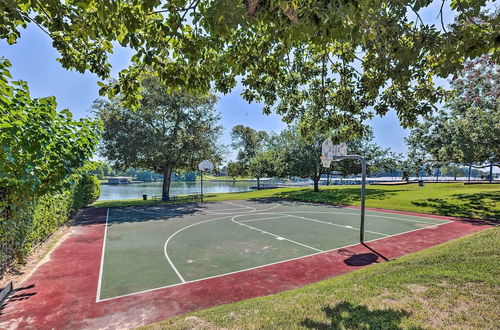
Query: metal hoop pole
[[363, 188], [201, 179]]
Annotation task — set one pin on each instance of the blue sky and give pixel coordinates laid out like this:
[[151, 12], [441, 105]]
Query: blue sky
[[34, 60]]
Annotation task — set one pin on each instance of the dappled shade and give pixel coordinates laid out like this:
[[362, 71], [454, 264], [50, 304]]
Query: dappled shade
[[484, 205], [345, 315], [344, 196]]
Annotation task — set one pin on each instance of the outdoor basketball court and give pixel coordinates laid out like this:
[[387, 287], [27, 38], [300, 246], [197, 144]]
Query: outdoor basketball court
[[151, 247]]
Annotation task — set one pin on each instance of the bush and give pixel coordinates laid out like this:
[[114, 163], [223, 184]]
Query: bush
[[25, 223], [86, 191]]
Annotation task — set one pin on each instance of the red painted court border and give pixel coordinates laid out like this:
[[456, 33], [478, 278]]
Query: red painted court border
[[61, 292]]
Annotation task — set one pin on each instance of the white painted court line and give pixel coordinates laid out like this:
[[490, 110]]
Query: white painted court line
[[256, 267], [263, 219], [99, 280], [285, 215], [342, 226], [261, 266], [165, 246], [371, 215], [241, 210], [229, 213], [252, 209], [248, 207], [178, 231], [218, 210], [280, 237]]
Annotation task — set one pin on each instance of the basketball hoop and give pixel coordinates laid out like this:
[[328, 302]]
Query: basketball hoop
[[325, 161], [331, 152], [206, 166]]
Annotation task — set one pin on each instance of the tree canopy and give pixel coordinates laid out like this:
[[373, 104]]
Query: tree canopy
[[291, 154], [168, 132], [467, 129], [299, 156], [235, 169], [373, 55], [263, 164], [248, 142]]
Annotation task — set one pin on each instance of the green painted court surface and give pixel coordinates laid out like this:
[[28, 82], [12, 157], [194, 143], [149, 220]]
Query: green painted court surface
[[151, 247]]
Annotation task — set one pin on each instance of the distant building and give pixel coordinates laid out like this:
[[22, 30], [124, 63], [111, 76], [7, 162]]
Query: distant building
[[120, 180]]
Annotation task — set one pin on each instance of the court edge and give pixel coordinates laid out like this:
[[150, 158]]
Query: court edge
[[99, 281], [247, 269]]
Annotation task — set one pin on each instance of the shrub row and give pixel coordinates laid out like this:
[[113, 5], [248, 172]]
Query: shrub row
[[25, 223]]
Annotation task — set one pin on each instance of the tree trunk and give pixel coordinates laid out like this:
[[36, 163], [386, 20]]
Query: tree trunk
[[316, 183], [258, 183], [167, 178]]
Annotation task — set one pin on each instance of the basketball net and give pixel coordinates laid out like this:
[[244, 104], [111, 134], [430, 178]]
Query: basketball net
[[325, 161]]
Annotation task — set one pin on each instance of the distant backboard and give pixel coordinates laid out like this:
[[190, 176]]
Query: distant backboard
[[206, 166]]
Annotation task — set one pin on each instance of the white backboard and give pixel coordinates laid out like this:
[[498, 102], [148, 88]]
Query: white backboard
[[206, 165], [330, 150]]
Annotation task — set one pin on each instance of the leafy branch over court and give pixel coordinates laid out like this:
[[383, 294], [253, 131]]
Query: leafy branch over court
[[41, 147], [371, 55]]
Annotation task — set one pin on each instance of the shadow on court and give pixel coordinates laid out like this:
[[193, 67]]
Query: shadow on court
[[362, 259], [345, 315], [18, 294], [139, 213], [337, 196], [485, 206]]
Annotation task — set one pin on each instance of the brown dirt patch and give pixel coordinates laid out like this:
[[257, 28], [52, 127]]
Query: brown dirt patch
[[415, 288], [196, 323]]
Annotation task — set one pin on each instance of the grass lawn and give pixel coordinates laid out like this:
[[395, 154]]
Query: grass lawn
[[453, 199], [453, 285]]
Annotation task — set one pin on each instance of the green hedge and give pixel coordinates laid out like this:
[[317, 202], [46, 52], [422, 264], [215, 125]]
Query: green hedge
[[26, 223], [86, 191]]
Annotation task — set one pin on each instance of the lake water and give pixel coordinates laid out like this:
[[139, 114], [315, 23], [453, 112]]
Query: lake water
[[136, 190]]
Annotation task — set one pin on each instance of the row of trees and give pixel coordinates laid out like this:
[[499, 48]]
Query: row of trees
[[291, 154], [172, 132], [318, 65], [466, 131]]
